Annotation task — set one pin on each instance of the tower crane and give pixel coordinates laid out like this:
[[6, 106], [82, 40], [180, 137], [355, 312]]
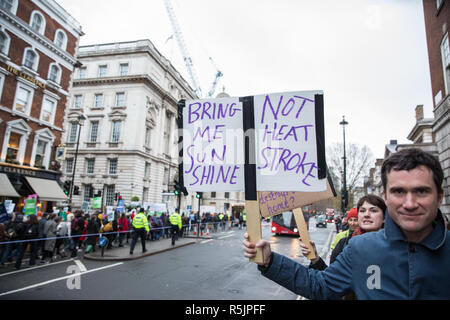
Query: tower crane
[[186, 56]]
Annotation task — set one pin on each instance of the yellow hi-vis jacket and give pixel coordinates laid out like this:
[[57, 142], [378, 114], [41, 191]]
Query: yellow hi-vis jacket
[[140, 221], [175, 219]]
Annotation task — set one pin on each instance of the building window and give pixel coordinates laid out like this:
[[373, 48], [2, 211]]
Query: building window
[[445, 54], [82, 73], [48, 110], [54, 73], [227, 195], [98, 102], [69, 166], [13, 147], [39, 159], [147, 170], [120, 99], [37, 22], [90, 166], [61, 39], [144, 194], [94, 131], [147, 136], [115, 136], [77, 100], [73, 132], [30, 60], [23, 99], [88, 192], [102, 71], [110, 190], [6, 4], [213, 194], [123, 69], [4, 43], [113, 166]]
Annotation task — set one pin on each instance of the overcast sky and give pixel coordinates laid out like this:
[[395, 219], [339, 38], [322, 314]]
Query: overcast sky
[[368, 56]]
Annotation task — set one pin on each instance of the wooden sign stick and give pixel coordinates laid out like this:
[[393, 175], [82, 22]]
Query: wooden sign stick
[[254, 227], [303, 230]]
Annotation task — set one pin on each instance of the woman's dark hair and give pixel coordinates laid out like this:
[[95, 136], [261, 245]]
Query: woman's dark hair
[[33, 219], [409, 159], [374, 200]]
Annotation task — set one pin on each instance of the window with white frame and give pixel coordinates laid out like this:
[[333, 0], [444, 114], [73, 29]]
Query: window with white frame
[[82, 73], [112, 166], [30, 59], [77, 101], [73, 132], [102, 70], [7, 4], [88, 192], [37, 22], [115, 136], [2, 82], [12, 151], [123, 69], [4, 43], [93, 136], [98, 100], [48, 109], [23, 99], [39, 158], [61, 39], [445, 54], [69, 165], [120, 99], [90, 166], [54, 73], [147, 170], [110, 195], [148, 131]]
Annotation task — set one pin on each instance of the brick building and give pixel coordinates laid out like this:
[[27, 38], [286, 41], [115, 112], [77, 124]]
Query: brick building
[[38, 45], [437, 24]]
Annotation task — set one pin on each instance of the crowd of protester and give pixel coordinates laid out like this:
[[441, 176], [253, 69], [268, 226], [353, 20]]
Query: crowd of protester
[[47, 236]]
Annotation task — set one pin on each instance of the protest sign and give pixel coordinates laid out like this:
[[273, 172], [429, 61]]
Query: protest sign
[[97, 203], [30, 206], [213, 145], [303, 231], [270, 142], [3, 213], [273, 203]]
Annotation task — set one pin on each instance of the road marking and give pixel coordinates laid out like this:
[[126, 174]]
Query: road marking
[[36, 267], [81, 266], [206, 241], [59, 279], [225, 237]]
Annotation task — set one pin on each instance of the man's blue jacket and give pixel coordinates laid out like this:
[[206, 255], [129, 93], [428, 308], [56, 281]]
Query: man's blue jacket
[[375, 265]]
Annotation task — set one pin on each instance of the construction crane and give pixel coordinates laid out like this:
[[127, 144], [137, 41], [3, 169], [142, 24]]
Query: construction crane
[[186, 56]]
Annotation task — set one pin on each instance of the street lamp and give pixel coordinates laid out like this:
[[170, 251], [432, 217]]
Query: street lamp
[[80, 122], [344, 195]]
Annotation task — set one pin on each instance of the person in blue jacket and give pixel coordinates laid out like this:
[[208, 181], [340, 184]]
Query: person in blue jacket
[[408, 259]]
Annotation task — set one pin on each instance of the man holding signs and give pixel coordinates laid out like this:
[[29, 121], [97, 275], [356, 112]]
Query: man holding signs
[[408, 259]]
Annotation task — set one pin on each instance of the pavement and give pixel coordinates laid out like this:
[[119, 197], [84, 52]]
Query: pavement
[[152, 247]]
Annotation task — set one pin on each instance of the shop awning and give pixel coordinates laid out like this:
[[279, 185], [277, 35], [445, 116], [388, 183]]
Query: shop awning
[[6, 188], [47, 190]]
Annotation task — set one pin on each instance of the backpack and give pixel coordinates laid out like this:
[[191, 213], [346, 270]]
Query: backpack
[[108, 227]]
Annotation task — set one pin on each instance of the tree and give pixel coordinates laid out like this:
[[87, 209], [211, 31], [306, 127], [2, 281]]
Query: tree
[[359, 161]]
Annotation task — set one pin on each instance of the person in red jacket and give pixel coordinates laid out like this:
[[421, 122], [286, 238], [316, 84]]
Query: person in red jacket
[[122, 227]]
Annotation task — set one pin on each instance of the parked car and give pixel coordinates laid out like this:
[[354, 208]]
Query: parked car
[[321, 221]]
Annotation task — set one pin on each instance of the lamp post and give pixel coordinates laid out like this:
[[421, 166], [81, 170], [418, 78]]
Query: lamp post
[[344, 195], [80, 121]]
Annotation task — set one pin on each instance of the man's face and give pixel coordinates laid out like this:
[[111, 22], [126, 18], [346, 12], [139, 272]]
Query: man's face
[[412, 200]]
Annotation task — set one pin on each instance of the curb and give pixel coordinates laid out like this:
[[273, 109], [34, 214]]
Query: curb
[[136, 256]]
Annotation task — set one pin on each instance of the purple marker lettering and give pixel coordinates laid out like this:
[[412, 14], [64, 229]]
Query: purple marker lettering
[[193, 112]]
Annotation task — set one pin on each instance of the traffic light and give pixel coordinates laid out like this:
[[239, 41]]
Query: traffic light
[[66, 187], [179, 188], [76, 190], [199, 195]]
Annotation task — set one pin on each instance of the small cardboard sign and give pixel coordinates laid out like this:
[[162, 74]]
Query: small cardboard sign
[[274, 203]]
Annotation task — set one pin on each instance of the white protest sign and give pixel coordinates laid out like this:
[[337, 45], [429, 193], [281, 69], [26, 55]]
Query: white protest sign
[[286, 155], [213, 150]]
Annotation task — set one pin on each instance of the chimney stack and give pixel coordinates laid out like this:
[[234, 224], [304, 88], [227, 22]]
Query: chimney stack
[[419, 112]]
